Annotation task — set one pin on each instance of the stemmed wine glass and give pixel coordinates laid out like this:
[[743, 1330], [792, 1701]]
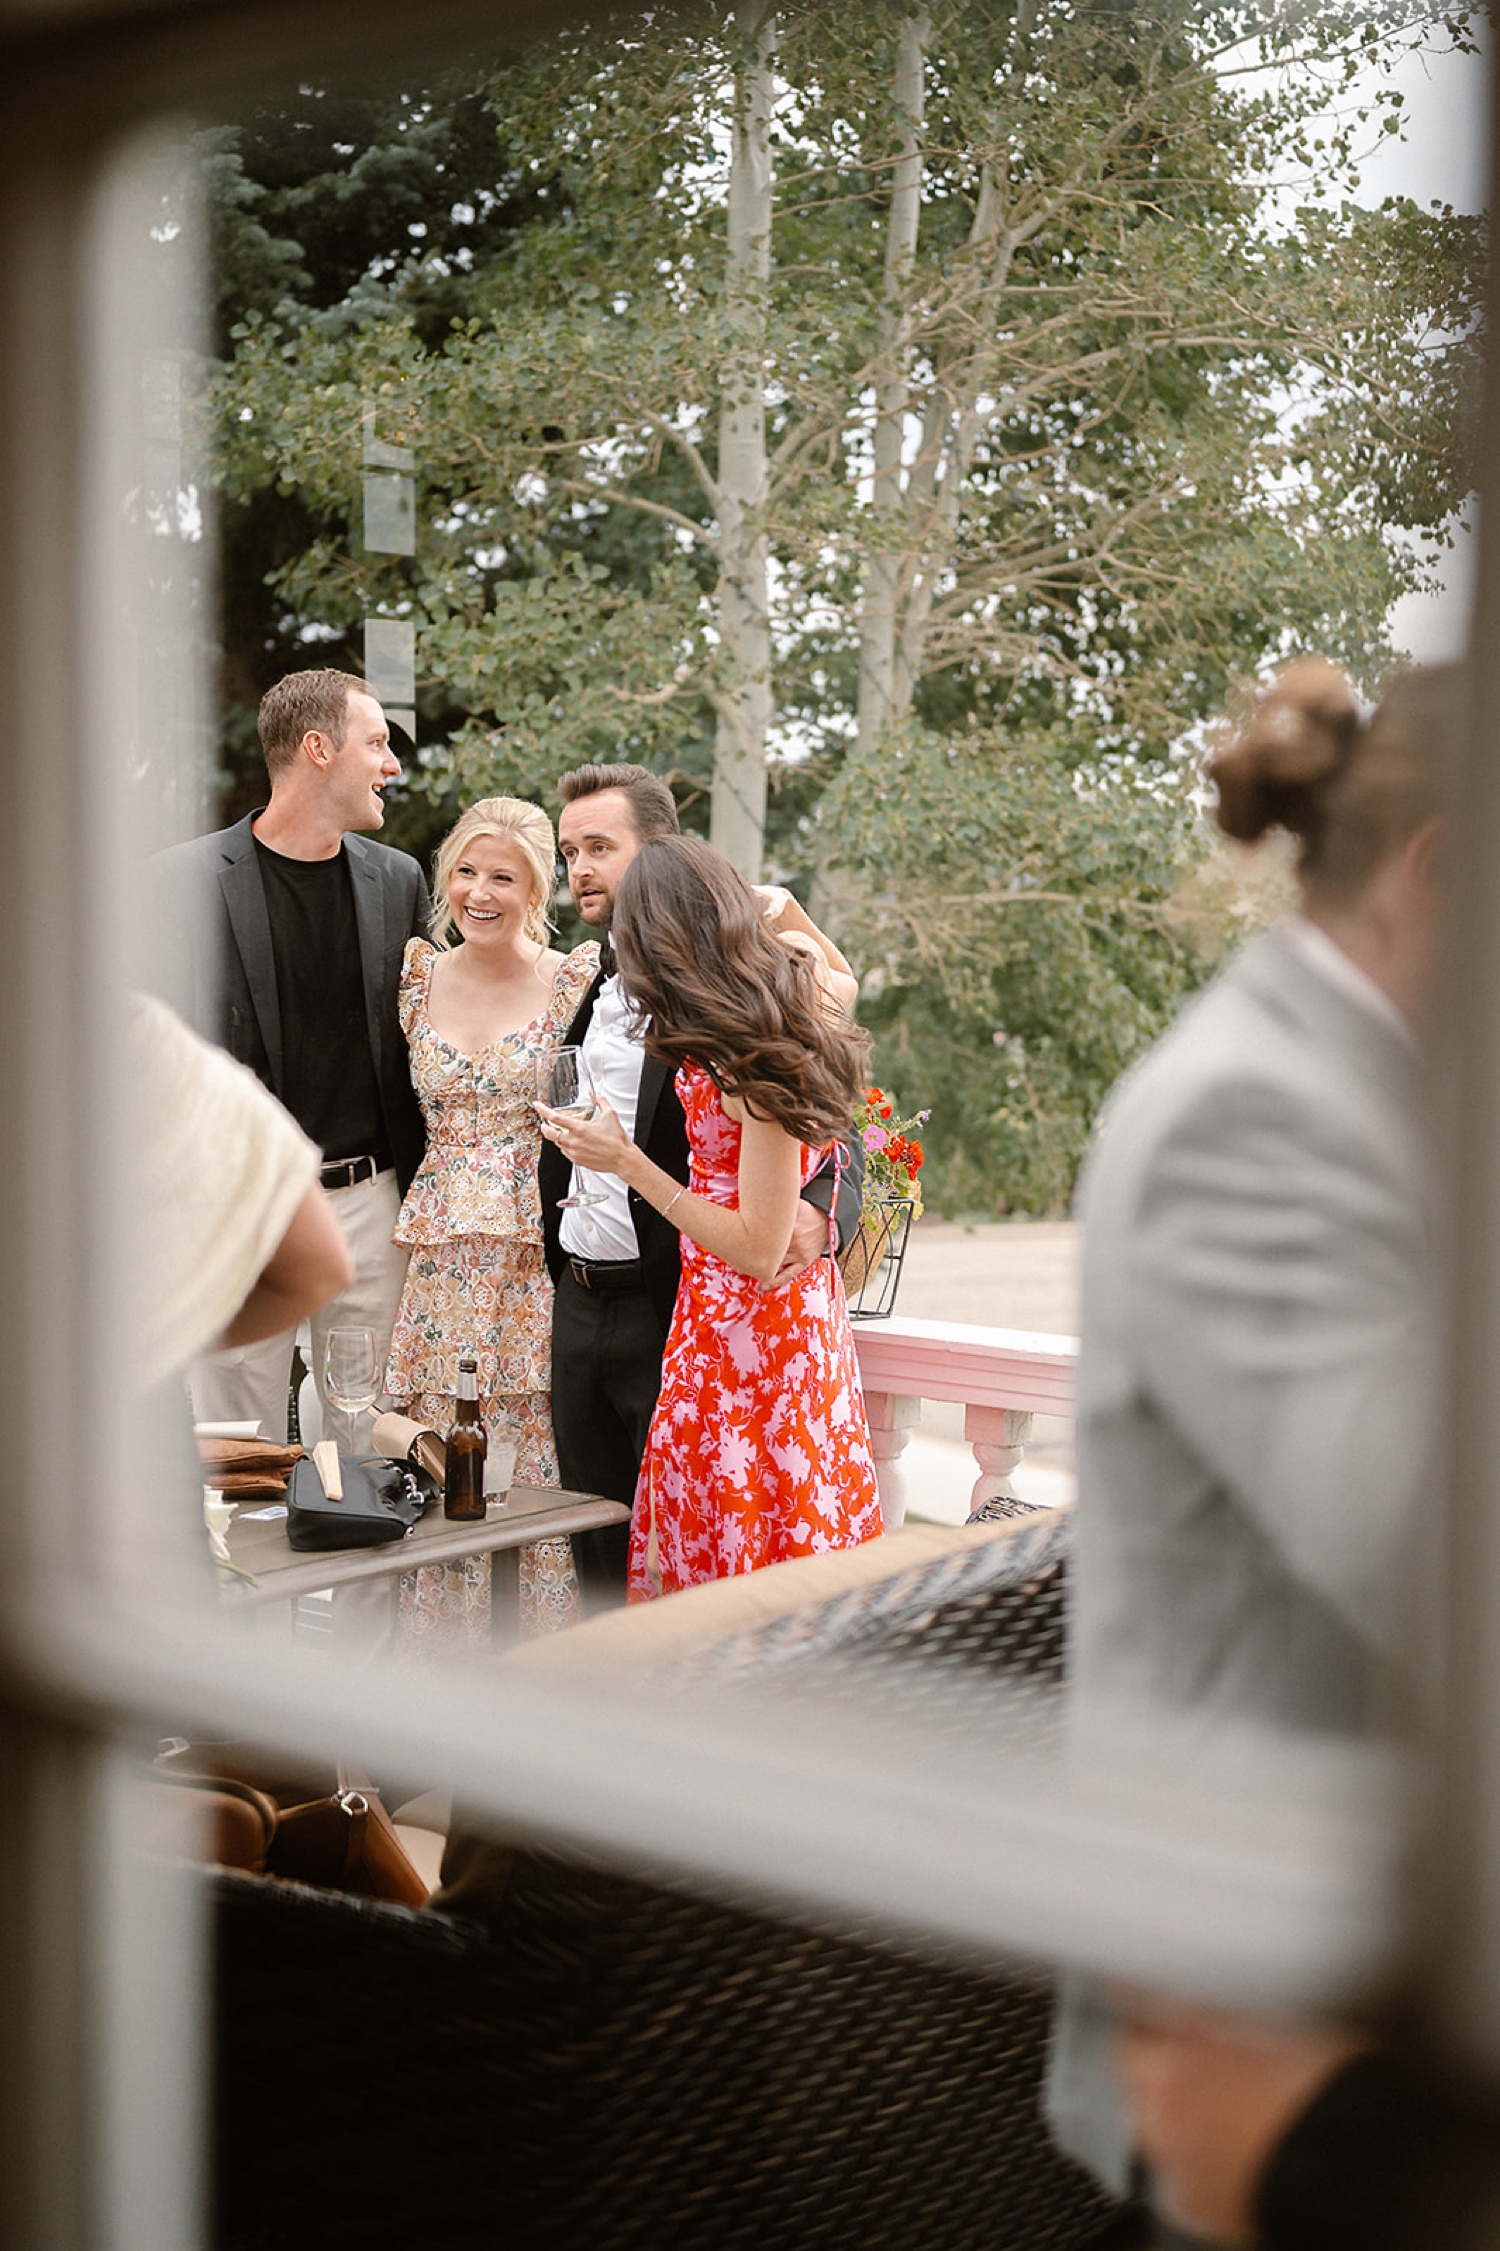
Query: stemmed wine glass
[[351, 1370], [563, 1083]]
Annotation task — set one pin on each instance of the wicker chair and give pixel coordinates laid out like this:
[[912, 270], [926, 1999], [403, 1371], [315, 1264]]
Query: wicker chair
[[606, 2061]]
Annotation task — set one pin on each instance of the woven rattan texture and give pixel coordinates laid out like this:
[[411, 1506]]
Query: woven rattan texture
[[626, 2064], [631, 2067], [1000, 1508], [925, 1643]]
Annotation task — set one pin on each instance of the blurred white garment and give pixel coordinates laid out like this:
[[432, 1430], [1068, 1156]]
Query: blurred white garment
[[222, 1171], [1257, 1379], [1257, 1364]]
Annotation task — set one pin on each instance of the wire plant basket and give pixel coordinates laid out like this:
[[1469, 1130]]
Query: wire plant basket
[[871, 1266]]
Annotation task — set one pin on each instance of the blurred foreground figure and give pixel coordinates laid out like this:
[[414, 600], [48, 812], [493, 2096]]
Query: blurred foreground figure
[[231, 1240], [236, 1240], [1256, 1372], [1303, 2138]]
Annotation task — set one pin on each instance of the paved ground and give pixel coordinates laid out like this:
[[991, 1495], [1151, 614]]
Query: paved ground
[[1012, 1274]]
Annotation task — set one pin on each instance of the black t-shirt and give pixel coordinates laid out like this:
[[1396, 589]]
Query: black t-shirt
[[328, 1078]]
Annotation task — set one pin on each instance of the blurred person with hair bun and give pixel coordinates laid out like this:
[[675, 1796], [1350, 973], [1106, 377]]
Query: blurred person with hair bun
[[1259, 1330], [758, 1450]]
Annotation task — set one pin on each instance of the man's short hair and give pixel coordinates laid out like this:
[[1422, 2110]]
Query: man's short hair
[[298, 705], [652, 805]]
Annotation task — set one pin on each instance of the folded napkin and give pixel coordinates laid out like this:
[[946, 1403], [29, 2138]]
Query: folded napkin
[[247, 1466]]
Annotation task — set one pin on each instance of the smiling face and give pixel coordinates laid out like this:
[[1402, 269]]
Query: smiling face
[[359, 768], [491, 891], [598, 840]]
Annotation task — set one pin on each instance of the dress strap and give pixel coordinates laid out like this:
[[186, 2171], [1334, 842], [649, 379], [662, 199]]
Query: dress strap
[[840, 1158]]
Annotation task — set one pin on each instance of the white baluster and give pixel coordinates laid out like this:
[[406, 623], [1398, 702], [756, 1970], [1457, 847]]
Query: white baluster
[[998, 1436], [892, 1416]]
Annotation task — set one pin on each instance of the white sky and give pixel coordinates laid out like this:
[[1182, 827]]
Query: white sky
[[1441, 158]]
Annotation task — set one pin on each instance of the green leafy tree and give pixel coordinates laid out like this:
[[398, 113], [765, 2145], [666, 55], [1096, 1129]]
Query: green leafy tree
[[332, 213], [1012, 915], [887, 402]]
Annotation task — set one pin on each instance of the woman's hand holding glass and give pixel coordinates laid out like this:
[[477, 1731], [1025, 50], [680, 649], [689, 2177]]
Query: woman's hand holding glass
[[598, 1143], [579, 1122]]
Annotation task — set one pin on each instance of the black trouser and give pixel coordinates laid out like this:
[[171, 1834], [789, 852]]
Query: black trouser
[[606, 1372]]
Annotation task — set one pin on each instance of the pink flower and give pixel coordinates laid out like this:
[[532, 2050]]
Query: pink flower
[[874, 1137]]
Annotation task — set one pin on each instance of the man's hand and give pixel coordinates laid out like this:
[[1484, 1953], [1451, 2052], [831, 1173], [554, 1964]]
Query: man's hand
[[1210, 2096], [791, 923], [809, 1241]]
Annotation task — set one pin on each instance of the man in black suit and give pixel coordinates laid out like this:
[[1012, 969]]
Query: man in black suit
[[616, 1264], [295, 926]]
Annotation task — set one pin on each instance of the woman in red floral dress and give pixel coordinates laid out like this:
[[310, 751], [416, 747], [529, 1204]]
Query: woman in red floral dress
[[759, 1450]]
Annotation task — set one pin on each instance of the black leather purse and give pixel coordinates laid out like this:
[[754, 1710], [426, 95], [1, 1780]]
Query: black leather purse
[[381, 1501]]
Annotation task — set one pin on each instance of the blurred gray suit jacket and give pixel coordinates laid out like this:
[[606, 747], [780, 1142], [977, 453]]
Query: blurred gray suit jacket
[[1255, 1380]]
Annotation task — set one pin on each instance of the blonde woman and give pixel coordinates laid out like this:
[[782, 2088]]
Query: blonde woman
[[479, 1005]]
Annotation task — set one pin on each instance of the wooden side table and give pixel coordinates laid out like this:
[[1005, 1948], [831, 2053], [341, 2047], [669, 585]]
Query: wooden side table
[[528, 1512]]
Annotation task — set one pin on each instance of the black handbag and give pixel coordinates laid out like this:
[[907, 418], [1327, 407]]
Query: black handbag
[[381, 1501]]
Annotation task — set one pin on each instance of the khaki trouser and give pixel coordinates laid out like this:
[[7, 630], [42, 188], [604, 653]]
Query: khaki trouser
[[250, 1382]]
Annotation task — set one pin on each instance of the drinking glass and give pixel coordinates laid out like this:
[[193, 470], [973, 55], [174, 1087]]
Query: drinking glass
[[351, 1370], [563, 1083]]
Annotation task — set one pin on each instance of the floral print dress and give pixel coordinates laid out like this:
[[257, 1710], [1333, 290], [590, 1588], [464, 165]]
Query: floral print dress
[[758, 1450], [477, 1283]]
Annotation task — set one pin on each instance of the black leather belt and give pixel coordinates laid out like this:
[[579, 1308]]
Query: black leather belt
[[608, 1273], [348, 1172]]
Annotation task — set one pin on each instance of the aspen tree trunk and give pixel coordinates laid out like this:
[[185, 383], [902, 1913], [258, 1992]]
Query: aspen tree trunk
[[887, 564], [916, 505], [951, 429], [738, 818]]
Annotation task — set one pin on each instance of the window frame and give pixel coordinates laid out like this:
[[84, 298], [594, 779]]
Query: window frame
[[101, 2049]]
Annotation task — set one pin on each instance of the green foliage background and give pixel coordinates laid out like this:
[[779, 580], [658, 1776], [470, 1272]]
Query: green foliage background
[[1199, 433]]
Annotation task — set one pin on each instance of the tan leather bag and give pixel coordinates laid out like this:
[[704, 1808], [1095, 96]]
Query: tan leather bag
[[340, 1839], [347, 1842], [230, 1823]]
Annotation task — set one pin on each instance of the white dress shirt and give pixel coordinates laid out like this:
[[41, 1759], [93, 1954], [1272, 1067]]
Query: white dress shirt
[[613, 1051]]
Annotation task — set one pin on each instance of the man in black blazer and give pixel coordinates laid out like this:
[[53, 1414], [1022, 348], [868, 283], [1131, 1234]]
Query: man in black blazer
[[295, 925], [615, 1266]]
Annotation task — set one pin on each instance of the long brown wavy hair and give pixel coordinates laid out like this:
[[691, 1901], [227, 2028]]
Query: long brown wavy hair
[[698, 961]]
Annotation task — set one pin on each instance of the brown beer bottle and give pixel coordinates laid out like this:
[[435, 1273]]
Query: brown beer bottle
[[463, 1489]]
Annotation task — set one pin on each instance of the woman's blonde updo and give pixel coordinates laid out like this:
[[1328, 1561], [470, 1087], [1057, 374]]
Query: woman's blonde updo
[[517, 822], [1351, 790]]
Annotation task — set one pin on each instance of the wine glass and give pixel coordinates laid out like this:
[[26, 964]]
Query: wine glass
[[563, 1083], [351, 1370]]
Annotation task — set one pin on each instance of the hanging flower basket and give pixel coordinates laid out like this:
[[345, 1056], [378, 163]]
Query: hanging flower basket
[[871, 1266]]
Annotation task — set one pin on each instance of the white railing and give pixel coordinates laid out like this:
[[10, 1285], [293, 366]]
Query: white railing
[[1000, 1377]]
